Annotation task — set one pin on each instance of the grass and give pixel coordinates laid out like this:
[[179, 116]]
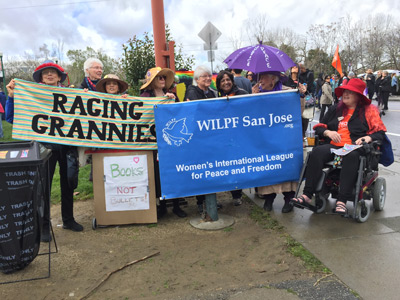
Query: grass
[[84, 190], [310, 261], [265, 220]]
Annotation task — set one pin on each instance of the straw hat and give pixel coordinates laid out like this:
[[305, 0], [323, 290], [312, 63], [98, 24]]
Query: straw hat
[[355, 85], [101, 85], [154, 72], [48, 64]]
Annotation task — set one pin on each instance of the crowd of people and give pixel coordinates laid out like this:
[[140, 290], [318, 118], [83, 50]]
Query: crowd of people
[[339, 98], [378, 87]]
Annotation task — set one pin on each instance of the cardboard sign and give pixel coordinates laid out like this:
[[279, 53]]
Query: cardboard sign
[[126, 183]]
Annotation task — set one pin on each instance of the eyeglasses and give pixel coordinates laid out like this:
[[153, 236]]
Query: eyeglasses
[[49, 72], [206, 76], [97, 68], [163, 77]]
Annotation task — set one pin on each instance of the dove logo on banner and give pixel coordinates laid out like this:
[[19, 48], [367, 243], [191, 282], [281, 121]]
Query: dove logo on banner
[[175, 132], [226, 144]]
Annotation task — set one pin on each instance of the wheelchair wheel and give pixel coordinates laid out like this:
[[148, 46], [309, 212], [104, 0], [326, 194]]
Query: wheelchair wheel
[[379, 193], [320, 203], [363, 211]]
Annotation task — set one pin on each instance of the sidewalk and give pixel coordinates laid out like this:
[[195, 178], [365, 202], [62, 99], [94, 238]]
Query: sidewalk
[[364, 256]]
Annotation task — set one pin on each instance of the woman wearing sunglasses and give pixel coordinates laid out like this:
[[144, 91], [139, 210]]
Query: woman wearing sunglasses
[[157, 84]]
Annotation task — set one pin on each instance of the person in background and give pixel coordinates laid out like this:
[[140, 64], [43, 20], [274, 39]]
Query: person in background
[[394, 83], [318, 89], [385, 86], [242, 82], [352, 75], [334, 85], [157, 84], [51, 74], [93, 69], [251, 76], [370, 80], [269, 82], [226, 87], [343, 79], [377, 84], [326, 97], [306, 77]]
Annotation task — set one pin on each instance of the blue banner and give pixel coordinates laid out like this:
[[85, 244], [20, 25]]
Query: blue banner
[[217, 145]]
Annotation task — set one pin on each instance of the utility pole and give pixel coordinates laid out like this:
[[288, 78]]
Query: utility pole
[[164, 53]]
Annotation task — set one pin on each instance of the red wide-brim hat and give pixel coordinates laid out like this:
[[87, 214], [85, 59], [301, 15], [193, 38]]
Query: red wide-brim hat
[[37, 74], [355, 85]]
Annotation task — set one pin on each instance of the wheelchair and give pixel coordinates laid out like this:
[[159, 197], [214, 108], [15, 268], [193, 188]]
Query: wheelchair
[[369, 186]]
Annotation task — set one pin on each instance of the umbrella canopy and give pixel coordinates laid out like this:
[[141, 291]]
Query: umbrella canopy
[[259, 58]]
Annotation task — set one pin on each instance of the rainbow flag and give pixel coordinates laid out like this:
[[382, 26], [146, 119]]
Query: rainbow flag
[[187, 78]]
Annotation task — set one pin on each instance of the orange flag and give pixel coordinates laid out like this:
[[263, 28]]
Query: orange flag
[[336, 61]]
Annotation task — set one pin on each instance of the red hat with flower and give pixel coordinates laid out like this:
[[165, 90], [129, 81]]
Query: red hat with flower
[[48, 64]]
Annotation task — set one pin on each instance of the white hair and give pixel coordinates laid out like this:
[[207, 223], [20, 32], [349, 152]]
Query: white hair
[[88, 63], [200, 70]]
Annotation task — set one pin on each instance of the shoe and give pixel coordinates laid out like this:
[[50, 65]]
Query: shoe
[[237, 201], [73, 225], [179, 212], [45, 237], [268, 205], [288, 207]]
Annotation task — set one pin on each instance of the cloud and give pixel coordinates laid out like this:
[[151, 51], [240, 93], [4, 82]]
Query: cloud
[[108, 24]]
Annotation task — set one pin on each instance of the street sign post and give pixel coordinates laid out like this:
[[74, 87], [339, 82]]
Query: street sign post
[[210, 34]]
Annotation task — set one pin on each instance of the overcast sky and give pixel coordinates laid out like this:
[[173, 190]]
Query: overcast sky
[[26, 24]]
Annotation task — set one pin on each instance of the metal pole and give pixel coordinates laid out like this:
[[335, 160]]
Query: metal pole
[[211, 55]]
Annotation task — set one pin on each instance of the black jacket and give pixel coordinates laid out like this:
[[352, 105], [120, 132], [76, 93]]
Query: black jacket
[[371, 82], [308, 78], [378, 83], [84, 84], [234, 92], [195, 93], [358, 125], [386, 84]]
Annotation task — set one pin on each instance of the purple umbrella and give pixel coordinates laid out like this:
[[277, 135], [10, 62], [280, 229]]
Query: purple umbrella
[[259, 58]]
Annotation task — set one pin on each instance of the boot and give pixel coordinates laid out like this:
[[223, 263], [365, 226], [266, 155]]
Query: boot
[[269, 200]]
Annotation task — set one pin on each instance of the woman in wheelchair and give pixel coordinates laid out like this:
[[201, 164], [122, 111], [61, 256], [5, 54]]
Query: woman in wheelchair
[[352, 121]]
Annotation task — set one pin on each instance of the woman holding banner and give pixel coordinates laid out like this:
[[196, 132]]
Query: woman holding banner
[[157, 84], [269, 82], [93, 69], [51, 74], [226, 87]]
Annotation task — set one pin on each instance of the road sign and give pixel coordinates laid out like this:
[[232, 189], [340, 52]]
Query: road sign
[[209, 34], [211, 47]]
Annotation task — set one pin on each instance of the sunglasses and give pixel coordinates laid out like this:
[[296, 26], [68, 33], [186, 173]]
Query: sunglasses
[[163, 77]]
